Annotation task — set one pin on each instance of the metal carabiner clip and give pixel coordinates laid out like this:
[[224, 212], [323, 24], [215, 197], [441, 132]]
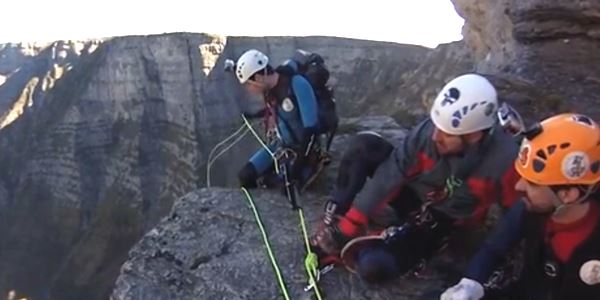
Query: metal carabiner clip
[[510, 119]]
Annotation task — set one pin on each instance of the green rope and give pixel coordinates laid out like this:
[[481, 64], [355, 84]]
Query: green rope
[[262, 143], [212, 159], [451, 184], [267, 245], [311, 261]]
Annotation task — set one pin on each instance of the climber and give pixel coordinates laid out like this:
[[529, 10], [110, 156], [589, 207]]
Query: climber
[[445, 173], [558, 219], [291, 117]]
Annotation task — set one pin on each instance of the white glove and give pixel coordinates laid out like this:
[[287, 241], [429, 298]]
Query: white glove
[[466, 289]]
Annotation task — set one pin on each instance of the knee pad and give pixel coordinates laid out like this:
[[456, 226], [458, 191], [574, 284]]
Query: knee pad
[[376, 265], [247, 176]]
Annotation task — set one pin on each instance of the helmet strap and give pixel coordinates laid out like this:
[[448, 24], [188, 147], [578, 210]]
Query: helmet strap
[[559, 206], [587, 191], [260, 84], [464, 143]]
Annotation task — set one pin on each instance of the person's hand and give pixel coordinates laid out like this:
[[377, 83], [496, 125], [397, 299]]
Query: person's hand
[[466, 289], [329, 238]]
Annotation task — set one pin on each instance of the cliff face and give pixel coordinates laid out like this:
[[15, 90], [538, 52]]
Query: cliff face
[[98, 162], [546, 45], [409, 97], [29, 71], [99, 153]]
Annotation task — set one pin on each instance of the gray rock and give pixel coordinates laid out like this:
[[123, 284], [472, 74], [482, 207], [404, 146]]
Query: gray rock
[[3, 197], [409, 97], [29, 71], [548, 44], [209, 247]]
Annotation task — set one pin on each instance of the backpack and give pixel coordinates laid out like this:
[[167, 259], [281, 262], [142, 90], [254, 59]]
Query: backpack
[[312, 67]]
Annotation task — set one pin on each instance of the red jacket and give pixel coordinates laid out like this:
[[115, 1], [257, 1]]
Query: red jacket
[[415, 163]]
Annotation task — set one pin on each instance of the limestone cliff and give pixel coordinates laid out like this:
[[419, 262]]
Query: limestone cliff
[[29, 71], [97, 154], [409, 97], [545, 46]]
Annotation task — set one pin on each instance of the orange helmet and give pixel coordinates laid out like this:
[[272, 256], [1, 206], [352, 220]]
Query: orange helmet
[[565, 150]]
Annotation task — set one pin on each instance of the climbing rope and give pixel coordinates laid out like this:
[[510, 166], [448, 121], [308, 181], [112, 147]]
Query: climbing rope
[[211, 160], [267, 245], [261, 143], [311, 261]]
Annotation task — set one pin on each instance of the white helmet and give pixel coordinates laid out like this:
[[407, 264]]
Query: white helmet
[[249, 63], [466, 104]]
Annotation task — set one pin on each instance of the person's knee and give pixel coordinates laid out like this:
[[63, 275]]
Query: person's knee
[[354, 164], [376, 265], [247, 176], [357, 146], [370, 150]]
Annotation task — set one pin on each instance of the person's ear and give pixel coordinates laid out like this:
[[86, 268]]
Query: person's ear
[[569, 195]]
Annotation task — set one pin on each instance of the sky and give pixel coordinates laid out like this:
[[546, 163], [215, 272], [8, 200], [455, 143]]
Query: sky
[[421, 22]]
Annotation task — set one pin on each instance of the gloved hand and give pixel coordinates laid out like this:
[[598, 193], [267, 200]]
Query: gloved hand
[[466, 289], [330, 238]]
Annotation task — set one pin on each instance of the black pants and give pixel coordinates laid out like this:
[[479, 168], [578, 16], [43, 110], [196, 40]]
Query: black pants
[[416, 243], [421, 237], [365, 153]]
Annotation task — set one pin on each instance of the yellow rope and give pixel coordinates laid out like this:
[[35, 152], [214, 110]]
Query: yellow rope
[[211, 159], [262, 143], [311, 261], [267, 245]]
